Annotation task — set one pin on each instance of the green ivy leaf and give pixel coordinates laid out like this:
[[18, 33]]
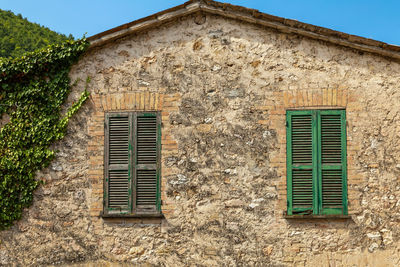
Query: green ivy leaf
[[34, 86]]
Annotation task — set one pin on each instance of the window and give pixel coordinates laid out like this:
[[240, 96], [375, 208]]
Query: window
[[132, 163], [316, 162]]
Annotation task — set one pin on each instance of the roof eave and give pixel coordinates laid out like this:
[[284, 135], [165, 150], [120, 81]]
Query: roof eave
[[144, 23], [251, 16]]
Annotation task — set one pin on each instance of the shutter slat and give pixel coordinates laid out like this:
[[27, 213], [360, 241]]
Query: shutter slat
[[331, 138], [301, 134], [332, 188], [118, 140], [118, 189], [302, 193], [146, 140], [146, 187]]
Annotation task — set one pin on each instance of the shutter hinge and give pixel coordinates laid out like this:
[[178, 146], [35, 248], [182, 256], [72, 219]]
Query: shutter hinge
[[287, 124]]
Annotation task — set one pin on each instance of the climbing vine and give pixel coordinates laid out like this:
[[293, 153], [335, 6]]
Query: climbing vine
[[32, 90]]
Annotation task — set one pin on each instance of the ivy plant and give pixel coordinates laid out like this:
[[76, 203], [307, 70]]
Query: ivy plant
[[33, 89]]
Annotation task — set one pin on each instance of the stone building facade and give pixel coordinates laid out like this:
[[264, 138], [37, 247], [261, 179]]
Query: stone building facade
[[222, 79]]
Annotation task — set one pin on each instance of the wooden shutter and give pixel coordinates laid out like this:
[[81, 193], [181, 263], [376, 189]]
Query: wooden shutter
[[301, 162], [117, 163], [147, 151], [332, 162]]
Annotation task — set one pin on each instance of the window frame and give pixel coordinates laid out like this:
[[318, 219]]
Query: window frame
[[317, 165], [132, 210]]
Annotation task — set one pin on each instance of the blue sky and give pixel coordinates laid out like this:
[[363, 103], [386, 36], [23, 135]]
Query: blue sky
[[368, 18]]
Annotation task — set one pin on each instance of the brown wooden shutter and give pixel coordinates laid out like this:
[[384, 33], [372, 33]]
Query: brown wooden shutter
[[333, 162], [147, 163], [117, 165]]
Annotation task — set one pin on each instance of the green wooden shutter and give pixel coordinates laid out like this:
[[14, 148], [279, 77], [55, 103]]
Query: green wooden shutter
[[117, 163], [301, 162], [147, 148], [332, 162]]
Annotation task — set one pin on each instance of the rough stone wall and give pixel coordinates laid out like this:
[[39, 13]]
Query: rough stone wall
[[223, 88]]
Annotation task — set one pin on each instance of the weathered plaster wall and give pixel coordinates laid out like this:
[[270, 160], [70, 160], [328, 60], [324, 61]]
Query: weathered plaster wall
[[223, 88]]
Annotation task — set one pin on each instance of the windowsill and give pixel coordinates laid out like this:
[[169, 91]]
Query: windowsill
[[149, 215], [333, 217]]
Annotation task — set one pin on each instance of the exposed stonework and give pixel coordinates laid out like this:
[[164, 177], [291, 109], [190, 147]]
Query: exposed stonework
[[223, 88]]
